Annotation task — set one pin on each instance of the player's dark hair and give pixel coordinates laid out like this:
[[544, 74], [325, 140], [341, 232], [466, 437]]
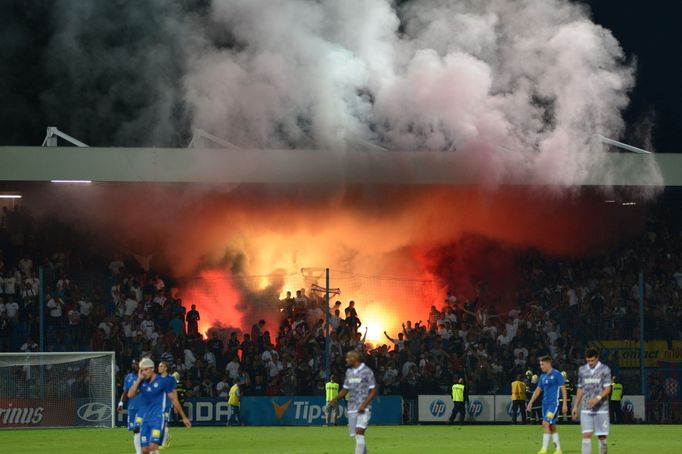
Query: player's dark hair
[[546, 359], [591, 352]]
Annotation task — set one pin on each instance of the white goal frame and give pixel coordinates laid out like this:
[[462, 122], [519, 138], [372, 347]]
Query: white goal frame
[[13, 359]]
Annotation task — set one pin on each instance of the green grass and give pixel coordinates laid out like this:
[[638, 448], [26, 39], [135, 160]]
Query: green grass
[[637, 439]]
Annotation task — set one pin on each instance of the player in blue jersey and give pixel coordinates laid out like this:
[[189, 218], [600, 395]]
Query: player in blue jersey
[[132, 406], [163, 373], [551, 383], [155, 395]]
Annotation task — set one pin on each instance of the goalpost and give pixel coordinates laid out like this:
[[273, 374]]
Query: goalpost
[[72, 389]]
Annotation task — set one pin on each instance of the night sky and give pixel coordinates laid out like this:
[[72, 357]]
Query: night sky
[[36, 93]]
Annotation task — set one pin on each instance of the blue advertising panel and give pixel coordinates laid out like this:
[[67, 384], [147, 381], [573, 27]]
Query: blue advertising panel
[[307, 410], [276, 411]]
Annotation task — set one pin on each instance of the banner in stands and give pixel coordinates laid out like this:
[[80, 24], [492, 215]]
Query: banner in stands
[[36, 413], [626, 353], [306, 410], [433, 408]]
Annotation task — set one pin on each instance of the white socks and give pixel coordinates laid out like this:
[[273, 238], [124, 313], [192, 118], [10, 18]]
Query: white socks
[[587, 446], [603, 446], [545, 441], [555, 439], [136, 443], [166, 434], [359, 444]]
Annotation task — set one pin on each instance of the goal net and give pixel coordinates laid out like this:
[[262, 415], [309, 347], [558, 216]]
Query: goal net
[[57, 389]]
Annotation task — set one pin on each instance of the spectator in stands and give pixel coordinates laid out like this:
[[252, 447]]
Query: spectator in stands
[[30, 346], [193, 318]]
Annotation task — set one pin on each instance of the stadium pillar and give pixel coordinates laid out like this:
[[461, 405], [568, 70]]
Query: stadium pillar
[[41, 326], [41, 309], [327, 341], [641, 333]]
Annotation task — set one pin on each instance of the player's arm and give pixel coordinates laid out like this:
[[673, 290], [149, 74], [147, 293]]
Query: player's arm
[[173, 395], [122, 400], [339, 396], [605, 393], [535, 395], [564, 394], [133, 389], [576, 402], [370, 396], [404, 330]]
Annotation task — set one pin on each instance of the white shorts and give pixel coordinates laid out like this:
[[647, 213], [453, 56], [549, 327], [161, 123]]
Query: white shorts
[[596, 423], [358, 420]]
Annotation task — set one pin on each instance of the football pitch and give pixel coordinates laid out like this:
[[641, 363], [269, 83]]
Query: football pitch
[[632, 439]]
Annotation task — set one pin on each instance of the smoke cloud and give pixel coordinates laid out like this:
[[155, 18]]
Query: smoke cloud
[[523, 85], [520, 86]]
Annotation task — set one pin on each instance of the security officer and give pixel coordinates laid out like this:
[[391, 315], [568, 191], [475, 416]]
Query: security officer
[[181, 392], [536, 411], [615, 408], [518, 396], [529, 393], [233, 402], [460, 395], [569, 394], [331, 410]]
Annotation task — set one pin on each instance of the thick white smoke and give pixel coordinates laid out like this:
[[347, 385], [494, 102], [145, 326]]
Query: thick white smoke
[[527, 83]]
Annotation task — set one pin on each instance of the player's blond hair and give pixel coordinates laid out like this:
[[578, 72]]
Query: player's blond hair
[[355, 355]]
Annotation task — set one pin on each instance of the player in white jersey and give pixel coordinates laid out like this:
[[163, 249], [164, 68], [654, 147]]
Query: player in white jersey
[[360, 386], [594, 387]]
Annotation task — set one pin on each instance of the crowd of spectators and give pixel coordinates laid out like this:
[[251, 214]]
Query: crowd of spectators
[[563, 305]]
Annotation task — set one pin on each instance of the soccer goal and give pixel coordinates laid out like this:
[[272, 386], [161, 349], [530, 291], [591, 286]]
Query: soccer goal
[[57, 389]]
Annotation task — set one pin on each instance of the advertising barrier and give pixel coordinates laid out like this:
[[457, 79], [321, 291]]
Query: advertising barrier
[[498, 408], [503, 406], [37, 413], [291, 411], [272, 411], [201, 411], [94, 414], [307, 410], [438, 408]]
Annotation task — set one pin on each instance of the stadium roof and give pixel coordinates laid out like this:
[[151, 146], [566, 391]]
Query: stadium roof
[[292, 166]]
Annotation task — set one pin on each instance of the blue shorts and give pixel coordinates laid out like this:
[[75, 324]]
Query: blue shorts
[[151, 431], [134, 420], [550, 413]]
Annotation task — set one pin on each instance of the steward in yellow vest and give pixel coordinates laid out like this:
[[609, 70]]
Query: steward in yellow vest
[[233, 401], [460, 395], [615, 401]]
